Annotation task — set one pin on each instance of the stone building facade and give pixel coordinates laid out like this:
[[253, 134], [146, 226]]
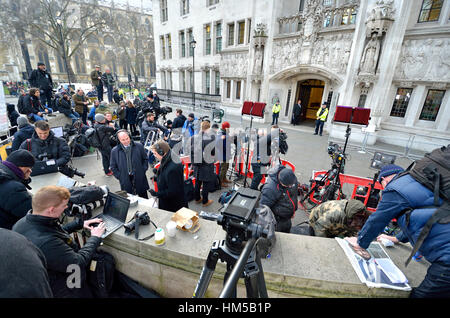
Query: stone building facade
[[100, 49], [391, 56]]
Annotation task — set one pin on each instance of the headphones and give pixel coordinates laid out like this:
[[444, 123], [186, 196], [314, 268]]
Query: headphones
[[158, 149]]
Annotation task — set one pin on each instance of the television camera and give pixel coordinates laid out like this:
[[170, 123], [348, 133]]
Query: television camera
[[250, 232]]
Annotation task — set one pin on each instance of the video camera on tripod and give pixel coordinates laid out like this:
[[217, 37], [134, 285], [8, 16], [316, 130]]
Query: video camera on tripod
[[245, 224]]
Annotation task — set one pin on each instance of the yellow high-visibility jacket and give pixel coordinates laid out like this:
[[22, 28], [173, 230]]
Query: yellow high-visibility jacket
[[322, 117], [276, 108]]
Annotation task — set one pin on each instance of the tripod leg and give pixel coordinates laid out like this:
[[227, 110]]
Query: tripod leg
[[261, 281], [207, 272], [251, 285]]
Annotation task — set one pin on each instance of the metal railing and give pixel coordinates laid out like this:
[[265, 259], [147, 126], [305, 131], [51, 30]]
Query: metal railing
[[412, 146]]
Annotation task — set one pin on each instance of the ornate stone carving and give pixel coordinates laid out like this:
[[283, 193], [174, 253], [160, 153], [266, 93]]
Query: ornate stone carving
[[370, 56], [234, 65], [380, 18], [424, 60], [312, 17], [260, 35], [285, 53], [333, 51]]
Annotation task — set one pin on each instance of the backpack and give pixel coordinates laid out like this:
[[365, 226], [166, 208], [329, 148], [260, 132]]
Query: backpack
[[433, 172], [217, 184], [283, 144], [100, 275], [93, 138], [226, 196]]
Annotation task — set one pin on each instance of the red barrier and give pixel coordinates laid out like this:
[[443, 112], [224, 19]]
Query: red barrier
[[352, 181]]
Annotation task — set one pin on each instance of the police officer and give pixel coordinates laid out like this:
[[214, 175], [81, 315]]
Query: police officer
[[321, 115]]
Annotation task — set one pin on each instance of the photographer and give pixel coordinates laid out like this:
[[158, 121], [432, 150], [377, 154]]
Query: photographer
[[14, 179], [280, 194], [169, 178], [45, 146], [104, 132], [150, 125], [42, 227]]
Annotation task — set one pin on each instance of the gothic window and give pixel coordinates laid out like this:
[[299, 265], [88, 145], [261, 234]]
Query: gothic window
[[362, 100], [169, 45], [218, 37], [349, 16], [42, 55], [94, 57], [61, 64], [111, 61], [217, 83], [183, 44], [125, 64], [401, 102], [211, 2], [207, 81], [241, 30], [80, 63], [228, 83], [230, 34], [430, 11], [301, 5], [432, 104], [140, 67], [108, 40], [164, 12], [163, 47], [91, 39], [148, 26], [327, 21], [184, 6], [328, 3], [238, 90], [208, 39], [190, 37]]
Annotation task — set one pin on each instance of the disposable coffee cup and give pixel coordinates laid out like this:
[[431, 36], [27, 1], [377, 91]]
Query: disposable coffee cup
[[171, 227]]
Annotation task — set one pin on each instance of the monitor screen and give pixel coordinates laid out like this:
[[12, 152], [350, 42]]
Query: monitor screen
[[58, 131], [116, 207]]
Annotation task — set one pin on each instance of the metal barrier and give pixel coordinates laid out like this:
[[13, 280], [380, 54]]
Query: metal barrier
[[404, 145]]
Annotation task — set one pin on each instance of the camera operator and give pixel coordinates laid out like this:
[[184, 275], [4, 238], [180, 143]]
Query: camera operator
[[280, 194], [129, 162], [42, 227], [105, 132], [45, 146], [223, 145], [14, 179], [178, 121], [262, 152], [150, 125], [169, 178]]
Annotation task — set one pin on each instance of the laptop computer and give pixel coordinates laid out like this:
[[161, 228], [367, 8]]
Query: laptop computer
[[114, 213], [43, 167]]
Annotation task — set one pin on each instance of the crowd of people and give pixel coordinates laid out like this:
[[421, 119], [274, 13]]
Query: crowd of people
[[137, 140]]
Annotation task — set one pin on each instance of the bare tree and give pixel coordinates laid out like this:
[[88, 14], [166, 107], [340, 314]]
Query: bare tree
[[63, 25]]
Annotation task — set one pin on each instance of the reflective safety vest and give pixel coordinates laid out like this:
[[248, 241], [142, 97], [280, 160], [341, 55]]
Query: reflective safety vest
[[322, 117], [276, 108]]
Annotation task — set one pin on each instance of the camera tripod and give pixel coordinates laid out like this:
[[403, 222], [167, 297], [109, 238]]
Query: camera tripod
[[246, 265]]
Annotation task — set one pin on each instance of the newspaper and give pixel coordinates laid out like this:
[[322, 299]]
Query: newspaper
[[379, 270]]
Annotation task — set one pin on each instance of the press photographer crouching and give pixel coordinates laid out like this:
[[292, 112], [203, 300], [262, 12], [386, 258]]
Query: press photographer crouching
[[64, 256], [50, 151]]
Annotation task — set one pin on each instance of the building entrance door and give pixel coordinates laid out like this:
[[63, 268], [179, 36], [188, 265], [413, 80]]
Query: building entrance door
[[310, 92]]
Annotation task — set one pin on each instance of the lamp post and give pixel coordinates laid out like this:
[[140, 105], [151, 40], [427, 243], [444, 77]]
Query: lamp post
[[59, 22], [193, 43]]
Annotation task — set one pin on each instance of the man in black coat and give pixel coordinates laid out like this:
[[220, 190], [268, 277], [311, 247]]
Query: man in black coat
[[14, 179], [41, 79], [169, 178], [296, 112], [26, 131], [104, 135], [129, 162], [280, 194], [23, 268], [44, 142], [67, 263]]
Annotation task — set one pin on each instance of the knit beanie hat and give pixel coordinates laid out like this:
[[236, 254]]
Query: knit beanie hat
[[287, 177], [21, 158], [225, 125], [22, 121], [99, 118], [389, 170]]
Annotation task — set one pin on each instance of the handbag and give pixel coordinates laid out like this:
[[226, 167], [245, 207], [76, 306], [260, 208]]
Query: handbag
[[186, 220]]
